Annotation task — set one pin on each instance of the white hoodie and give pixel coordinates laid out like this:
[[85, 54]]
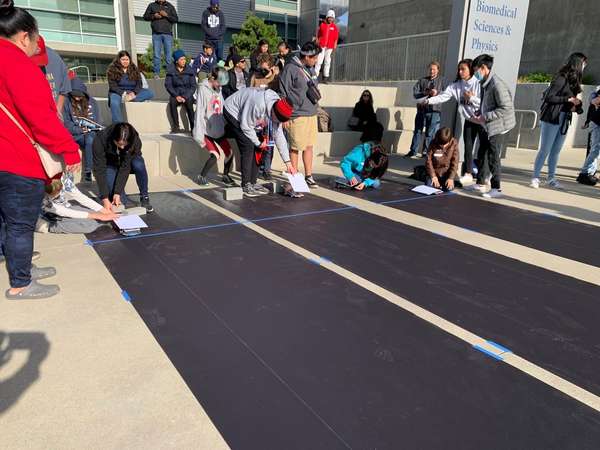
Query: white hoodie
[[456, 90], [209, 113]]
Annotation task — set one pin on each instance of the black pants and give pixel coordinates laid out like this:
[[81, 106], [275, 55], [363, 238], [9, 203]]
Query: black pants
[[471, 131], [247, 149], [189, 108], [488, 158]]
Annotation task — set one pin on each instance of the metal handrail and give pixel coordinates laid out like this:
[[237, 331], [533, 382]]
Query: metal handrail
[[396, 38], [522, 113]]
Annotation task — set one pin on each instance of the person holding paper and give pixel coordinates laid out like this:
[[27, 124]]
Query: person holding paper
[[442, 160], [255, 117], [117, 153], [365, 164], [59, 215]]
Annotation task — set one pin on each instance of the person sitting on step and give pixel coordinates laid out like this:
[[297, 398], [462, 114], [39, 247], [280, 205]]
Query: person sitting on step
[[365, 164], [209, 130], [117, 153], [181, 85], [442, 160]]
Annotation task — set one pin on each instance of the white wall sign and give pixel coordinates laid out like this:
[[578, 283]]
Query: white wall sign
[[497, 27]]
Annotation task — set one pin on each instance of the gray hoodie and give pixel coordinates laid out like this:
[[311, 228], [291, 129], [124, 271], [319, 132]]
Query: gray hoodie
[[252, 108], [293, 85], [209, 113]]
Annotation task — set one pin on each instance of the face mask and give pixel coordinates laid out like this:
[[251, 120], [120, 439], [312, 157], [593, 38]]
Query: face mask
[[478, 75], [223, 78]]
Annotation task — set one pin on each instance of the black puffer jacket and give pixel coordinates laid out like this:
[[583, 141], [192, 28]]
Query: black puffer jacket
[[181, 84]]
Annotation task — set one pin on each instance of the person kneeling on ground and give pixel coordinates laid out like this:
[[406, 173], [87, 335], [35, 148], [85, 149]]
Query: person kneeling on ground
[[60, 216], [254, 112], [209, 131], [82, 118], [366, 163], [181, 85], [117, 153], [442, 160]]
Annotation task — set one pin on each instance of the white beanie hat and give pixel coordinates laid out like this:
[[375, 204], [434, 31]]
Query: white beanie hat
[[330, 13]]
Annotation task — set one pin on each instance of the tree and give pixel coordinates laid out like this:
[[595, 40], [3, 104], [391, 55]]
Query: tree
[[145, 60], [254, 29]]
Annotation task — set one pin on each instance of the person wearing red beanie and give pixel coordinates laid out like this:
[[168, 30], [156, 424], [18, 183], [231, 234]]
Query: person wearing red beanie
[[255, 116]]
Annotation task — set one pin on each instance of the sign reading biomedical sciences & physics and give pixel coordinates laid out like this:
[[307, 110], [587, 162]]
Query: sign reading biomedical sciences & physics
[[496, 27]]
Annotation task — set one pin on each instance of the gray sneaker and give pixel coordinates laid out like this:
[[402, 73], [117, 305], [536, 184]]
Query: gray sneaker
[[249, 191], [261, 189], [34, 291], [39, 273]]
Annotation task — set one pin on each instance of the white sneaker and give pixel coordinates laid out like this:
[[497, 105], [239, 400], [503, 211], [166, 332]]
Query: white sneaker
[[554, 184], [477, 187], [467, 178], [535, 183], [494, 193], [42, 226]]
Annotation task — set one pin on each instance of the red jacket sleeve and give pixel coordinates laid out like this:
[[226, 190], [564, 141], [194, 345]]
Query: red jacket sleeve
[[32, 98]]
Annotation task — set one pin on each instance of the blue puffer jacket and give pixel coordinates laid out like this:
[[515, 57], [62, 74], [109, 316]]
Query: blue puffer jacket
[[354, 162], [70, 119], [182, 84]]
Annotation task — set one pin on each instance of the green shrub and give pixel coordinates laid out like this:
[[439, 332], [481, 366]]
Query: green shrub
[[536, 77], [253, 30]]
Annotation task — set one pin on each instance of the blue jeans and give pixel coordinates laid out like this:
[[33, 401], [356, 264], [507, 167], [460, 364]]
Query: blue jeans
[[267, 159], [116, 103], [591, 162], [431, 122], [550, 147], [20, 206], [158, 42], [85, 142], [218, 46], [138, 167]]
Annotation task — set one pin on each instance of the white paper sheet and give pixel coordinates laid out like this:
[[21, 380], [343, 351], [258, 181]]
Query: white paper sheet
[[298, 182], [426, 190], [130, 222]]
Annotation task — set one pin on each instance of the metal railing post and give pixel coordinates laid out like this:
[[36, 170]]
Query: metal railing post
[[366, 62]]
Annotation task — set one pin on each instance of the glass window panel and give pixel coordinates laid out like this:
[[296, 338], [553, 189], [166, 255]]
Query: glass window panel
[[100, 7], [57, 5], [57, 36], [190, 31], [57, 21], [142, 27], [23, 3], [100, 40], [98, 25]]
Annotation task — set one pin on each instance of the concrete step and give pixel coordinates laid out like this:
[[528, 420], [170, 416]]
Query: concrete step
[[392, 118]]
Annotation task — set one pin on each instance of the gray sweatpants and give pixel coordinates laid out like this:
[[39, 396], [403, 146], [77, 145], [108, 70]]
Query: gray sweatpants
[[67, 225]]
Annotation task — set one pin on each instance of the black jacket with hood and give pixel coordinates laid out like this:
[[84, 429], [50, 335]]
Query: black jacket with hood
[[164, 25], [181, 84], [213, 25]]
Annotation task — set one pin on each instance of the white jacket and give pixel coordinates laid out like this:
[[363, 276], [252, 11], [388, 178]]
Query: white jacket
[[61, 207], [456, 91]]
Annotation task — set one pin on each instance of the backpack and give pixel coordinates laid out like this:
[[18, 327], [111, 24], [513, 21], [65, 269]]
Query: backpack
[[419, 174]]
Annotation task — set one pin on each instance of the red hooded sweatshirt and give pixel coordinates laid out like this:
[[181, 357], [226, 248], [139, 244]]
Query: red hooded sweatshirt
[[25, 92], [328, 35]]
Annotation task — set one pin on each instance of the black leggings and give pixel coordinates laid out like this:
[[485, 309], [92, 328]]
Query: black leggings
[[247, 149], [189, 107], [471, 131]]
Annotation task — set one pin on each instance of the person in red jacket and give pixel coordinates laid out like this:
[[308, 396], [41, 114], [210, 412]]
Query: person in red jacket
[[25, 96], [327, 37]]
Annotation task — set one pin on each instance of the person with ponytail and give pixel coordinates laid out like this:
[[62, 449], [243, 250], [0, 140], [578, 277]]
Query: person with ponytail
[[26, 116]]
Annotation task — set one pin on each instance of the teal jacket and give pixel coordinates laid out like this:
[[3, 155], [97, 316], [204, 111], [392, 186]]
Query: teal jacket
[[353, 163]]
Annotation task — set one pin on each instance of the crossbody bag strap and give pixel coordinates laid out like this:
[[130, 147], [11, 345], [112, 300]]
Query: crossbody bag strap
[[11, 117]]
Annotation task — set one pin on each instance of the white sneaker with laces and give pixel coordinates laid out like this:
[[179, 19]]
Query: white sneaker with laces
[[467, 178], [535, 183], [494, 193], [477, 187]]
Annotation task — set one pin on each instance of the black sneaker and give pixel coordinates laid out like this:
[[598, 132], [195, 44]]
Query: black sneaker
[[202, 180], [588, 180], [145, 203], [249, 191], [228, 181], [410, 155], [87, 177], [266, 176], [311, 182], [177, 131]]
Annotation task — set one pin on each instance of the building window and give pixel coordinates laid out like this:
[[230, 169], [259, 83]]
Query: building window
[[75, 21], [190, 31]]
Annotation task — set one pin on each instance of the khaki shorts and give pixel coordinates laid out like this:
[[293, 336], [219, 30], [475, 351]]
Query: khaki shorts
[[302, 132]]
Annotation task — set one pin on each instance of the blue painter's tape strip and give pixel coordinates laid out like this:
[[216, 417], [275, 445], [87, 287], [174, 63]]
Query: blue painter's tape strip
[[499, 347], [88, 242], [487, 352], [184, 190], [126, 296], [325, 260]]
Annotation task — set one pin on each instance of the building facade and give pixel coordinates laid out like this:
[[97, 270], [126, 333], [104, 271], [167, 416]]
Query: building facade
[[89, 33]]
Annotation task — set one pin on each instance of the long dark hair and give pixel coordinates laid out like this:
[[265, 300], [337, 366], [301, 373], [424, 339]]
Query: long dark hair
[[467, 62], [442, 137], [573, 71], [14, 20], [259, 45], [80, 108], [368, 102], [115, 70], [376, 164], [123, 132]]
